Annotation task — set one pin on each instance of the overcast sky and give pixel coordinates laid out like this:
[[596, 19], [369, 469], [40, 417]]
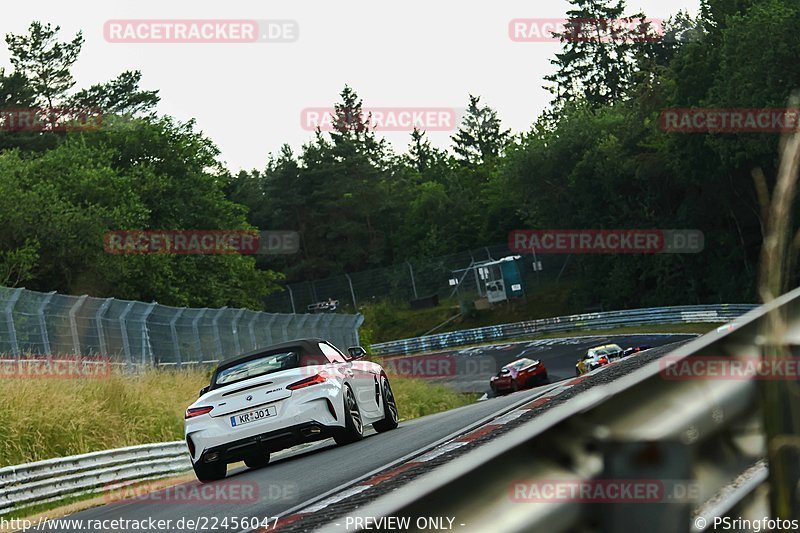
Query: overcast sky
[[249, 97]]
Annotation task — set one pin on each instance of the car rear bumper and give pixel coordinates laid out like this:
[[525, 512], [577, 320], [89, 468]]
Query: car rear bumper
[[271, 441]]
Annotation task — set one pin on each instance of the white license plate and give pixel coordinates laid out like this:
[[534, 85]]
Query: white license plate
[[252, 416]]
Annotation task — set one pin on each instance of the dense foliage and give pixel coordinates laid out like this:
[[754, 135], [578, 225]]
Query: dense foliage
[[597, 158]]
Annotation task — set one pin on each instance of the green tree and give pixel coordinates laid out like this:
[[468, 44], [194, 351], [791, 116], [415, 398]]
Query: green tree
[[44, 61], [597, 62], [480, 137]]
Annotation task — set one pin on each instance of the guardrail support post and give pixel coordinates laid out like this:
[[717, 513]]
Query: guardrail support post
[[73, 324]]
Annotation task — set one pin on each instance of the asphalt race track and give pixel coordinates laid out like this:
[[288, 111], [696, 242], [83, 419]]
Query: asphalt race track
[[296, 476], [474, 366]]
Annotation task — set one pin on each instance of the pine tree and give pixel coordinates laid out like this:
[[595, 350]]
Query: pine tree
[[597, 60], [480, 137]]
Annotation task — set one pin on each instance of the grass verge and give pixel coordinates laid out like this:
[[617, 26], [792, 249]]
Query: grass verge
[[44, 418]]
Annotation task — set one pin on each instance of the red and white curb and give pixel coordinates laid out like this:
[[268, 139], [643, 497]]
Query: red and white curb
[[439, 450]]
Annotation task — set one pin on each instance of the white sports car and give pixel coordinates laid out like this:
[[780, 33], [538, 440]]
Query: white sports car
[[283, 395]]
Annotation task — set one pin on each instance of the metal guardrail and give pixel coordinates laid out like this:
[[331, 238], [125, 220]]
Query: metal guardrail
[[707, 433], [609, 319], [44, 481]]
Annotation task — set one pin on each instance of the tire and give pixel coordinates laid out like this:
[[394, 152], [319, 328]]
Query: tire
[[257, 460], [390, 416], [207, 472], [514, 386], [353, 427]]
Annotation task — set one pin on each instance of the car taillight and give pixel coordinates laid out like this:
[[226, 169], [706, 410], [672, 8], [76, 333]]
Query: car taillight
[[307, 382], [196, 411]]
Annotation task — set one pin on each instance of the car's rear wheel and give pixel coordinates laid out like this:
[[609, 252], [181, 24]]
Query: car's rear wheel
[[390, 417], [353, 427], [207, 472], [257, 460]]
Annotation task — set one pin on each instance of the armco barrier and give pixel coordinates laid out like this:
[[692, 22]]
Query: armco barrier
[[609, 319], [717, 446], [43, 481]]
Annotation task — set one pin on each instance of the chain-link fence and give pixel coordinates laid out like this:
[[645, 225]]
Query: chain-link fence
[[137, 333], [449, 276]]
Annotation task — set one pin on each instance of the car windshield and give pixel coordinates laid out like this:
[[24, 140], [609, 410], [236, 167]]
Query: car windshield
[[521, 363], [268, 364]]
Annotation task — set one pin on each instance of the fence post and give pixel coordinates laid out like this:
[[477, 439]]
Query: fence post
[[285, 329], [252, 327], [12, 331], [176, 346], [43, 322], [302, 320], [359, 322], [146, 347], [314, 325], [352, 292], [291, 297], [272, 318], [123, 326], [73, 324], [101, 337], [196, 332], [215, 331], [413, 283], [234, 328], [477, 277]]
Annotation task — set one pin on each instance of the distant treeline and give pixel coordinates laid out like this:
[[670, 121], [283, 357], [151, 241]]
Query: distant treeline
[[602, 156]]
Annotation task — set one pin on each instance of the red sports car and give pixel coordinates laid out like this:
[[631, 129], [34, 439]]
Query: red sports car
[[521, 374]]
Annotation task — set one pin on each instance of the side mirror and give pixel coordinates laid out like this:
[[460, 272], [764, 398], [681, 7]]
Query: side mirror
[[356, 352], [204, 389]]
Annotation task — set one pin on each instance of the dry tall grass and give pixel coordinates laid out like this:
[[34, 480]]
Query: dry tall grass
[[43, 418]]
